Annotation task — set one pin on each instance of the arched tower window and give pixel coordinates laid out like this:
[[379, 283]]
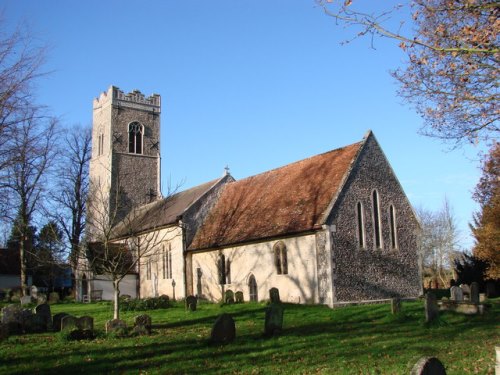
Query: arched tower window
[[361, 225], [135, 132], [252, 289], [377, 227], [280, 258], [392, 224]]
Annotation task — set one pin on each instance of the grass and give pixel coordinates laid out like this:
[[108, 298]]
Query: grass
[[350, 340]]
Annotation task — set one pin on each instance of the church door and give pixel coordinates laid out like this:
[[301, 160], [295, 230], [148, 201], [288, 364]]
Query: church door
[[252, 288]]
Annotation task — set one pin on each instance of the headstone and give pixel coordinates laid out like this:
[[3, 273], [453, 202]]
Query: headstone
[[85, 323], [274, 295], [26, 300], [229, 296], [238, 297], [482, 297], [490, 289], [474, 292], [57, 321], [428, 366], [41, 299], [274, 319], [116, 326], [12, 318], [142, 325], [465, 292], [126, 297], [43, 310], [54, 297], [431, 307], [34, 323], [191, 302], [456, 294], [223, 330], [395, 305], [34, 292], [68, 323]]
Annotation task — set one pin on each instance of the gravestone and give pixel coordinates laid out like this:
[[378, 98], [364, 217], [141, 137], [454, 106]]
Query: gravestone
[[34, 323], [428, 366], [482, 297], [191, 302], [223, 330], [474, 292], [395, 305], [26, 300], [238, 297], [43, 310], [12, 318], [41, 299], [116, 326], [274, 295], [126, 297], [68, 323], [142, 325], [229, 296], [431, 308], [34, 292], [273, 319], [57, 321], [456, 294], [465, 292], [54, 297], [85, 323]]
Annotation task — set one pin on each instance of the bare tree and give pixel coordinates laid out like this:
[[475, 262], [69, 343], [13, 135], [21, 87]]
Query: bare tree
[[451, 74], [24, 179], [439, 242]]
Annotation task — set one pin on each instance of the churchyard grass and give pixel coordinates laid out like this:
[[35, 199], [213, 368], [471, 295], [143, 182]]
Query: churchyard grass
[[315, 339]]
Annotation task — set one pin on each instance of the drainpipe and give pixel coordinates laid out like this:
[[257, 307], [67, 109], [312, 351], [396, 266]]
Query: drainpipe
[[183, 227], [330, 231]]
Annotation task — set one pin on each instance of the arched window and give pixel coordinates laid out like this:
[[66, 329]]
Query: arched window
[[392, 225], [221, 269], [135, 131], [361, 225], [167, 262], [376, 220], [280, 258], [252, 289]]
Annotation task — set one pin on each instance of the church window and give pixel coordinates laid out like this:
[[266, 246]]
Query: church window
[[280, 258], [167, 262], [361, 225], [135, 132], [252, 289], [376, 219], [221, 269], [392, 225], [100, 144]]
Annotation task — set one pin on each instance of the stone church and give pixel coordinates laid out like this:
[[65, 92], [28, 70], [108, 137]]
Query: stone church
[[330, 229]]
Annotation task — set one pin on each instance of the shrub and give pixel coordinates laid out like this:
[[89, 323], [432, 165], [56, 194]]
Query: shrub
[[152, 303]]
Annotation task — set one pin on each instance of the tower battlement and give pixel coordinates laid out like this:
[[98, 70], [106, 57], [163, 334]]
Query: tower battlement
[[134, 99]]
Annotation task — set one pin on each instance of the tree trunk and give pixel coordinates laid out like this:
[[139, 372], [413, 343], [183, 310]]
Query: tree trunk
[[22, 258], [116, 299]]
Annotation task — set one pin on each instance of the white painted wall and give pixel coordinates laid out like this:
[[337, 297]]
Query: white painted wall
[[127, 286]]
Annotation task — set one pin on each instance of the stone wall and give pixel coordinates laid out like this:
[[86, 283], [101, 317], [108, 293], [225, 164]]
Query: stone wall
[[373, 273]]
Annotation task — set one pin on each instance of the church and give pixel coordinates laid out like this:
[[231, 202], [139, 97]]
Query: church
[[331, 229]]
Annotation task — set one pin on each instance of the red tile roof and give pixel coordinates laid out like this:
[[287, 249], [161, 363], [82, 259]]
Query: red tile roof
[[287, 200]]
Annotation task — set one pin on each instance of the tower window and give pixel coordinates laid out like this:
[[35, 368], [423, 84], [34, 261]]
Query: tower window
[[135, 132], [167, 262], [361, 225], [376, 219], [280, 258], [392, 224]]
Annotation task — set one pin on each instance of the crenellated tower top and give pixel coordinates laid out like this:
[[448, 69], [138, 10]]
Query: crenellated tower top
[[135, 99]]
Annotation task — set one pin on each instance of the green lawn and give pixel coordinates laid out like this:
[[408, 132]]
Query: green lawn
[[316, 339]]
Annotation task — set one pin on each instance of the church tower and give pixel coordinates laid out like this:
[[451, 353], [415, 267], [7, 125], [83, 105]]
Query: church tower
[[125, 164]]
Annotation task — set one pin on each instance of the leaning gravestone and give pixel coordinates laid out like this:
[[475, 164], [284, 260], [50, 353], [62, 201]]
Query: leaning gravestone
[[274, 319], [229, 296], [431, 307], [116, 326], [43, 311], [456, 294], [191, 302], [238, 296], [85, 323], [465, 292], [274, 295], [25, 300], [474, 292], [12, 318], [395, 305], [142, 325], [223, 330], [428, 366], [57, 321]]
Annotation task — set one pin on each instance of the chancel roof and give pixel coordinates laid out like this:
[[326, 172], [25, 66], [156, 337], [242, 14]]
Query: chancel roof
[[291, 199]]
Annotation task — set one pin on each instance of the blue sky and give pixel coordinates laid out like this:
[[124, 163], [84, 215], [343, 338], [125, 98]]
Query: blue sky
[[250, 84]]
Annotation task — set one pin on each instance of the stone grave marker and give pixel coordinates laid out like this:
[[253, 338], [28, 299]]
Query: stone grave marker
[[229, 296], [142, 325], [482, 297], [474, 292], [12, 318], [395, 305], [85, 323], [428, 366], [43, 310], [68, 323], [456, 294], [57, 321], [223, 330], [274, 295], [274, 319], [117, 326], [191, 302], [26, 300], [465, 292], [34, 324], [431, 307], [54, 297], [41, 299], [238, 297], [34, 292]]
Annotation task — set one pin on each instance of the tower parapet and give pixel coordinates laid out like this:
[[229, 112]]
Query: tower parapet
[[134, 99]]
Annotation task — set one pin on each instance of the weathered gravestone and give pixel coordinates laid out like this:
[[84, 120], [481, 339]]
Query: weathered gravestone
[[456, 294], [85, 323], [223, 330], [68, 323], [34, 292], [54, 297], [395, 305], [238, 297], [274, 295], [229, 296], [428, 366], [274, 319], [25, 300], [117, 327], [57, 321], [465, 292], [77, 328], [142, 325], [431, 307], [12, 318], [41, 299], [43, 311], [474, 292], [191, 302]]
